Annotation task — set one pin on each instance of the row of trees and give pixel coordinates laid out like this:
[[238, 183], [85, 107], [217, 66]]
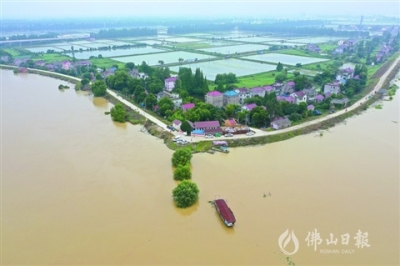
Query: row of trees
[[186, 193]]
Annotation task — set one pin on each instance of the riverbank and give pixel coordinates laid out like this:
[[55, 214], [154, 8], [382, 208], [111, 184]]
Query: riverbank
[[158, 128]]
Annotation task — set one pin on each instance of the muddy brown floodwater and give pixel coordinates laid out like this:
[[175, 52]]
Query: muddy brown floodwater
[[78, 189]]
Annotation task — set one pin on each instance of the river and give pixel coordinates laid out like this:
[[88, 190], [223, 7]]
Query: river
[[78, 189]]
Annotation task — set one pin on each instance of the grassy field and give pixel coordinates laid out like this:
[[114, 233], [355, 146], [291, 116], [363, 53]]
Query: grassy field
[[327, 46], [12, 52], [373, 69], [314, 67], [259, 79], [51, 57], [106, 62]]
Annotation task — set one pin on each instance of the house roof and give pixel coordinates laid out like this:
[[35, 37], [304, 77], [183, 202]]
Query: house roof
[[214, 93], [290, 83], [250, 106], [203, 124], [230, 93], [242, 90], [285, 98], [171, 79], [299, 94], [310, 107], [188, 105], [319, 97], [268, 88], [281, 121], [176, 122], [256, 89]]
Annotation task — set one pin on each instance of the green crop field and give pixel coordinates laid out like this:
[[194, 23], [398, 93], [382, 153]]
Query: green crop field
[[12, 52], [261, 79], [51, 57], [106, 62], [327, 47]]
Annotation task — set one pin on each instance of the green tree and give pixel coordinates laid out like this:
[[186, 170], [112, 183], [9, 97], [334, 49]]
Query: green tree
[[230, 109], [279, 67], [164, 105], [185, 127], [150, 101], [99, 88], [130, 65], [182, 172], [280, 77], [118, 113], [181, 157], [84, 82], [185, 194]]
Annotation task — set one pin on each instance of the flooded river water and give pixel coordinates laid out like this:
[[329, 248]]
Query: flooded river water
[[78, 189]]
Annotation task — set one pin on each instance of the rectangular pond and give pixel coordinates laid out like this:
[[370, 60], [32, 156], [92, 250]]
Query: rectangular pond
[[238, 67], [315, 39], [118, 52], [168, 58], [285, 59], [237, 49], [256, 39]]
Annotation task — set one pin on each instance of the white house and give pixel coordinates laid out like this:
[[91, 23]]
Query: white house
[[299, 97], [177, 124], [332, 88]]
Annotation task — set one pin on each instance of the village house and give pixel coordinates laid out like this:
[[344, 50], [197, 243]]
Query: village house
[[310, 92], [319, 98], [231, 97], [187, 106], [169, 83], [313, 48], [177, 124], [343, 101], [280, 123], [332, 88], [268, 89], [83, 63], [230, 123], [310, 107], [299, 96], [288, 87], [5, 58], [214, 98], [249, 107], [257, 91], [66, 64], [173, 96], [243, 94], [289, 99], [278, 87], [209, 127], [40, 63]]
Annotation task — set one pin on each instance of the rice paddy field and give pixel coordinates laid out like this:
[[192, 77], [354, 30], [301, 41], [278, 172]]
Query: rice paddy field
[[149, 42], [236, 48], [118, 52], [179, 39], [236, 66], [285, 59], [257, 39], [286, 43], [168, 58]]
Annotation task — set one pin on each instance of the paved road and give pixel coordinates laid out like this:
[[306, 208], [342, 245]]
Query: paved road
[[258, 131]]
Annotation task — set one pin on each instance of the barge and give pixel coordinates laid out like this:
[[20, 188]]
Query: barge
[[225, 212]]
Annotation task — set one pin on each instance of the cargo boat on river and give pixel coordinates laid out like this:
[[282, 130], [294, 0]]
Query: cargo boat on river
[[225, 212]]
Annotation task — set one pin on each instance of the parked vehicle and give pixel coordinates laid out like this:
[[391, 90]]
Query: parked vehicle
[[209, 136], [229, 135], [251, 133], [316, 112]]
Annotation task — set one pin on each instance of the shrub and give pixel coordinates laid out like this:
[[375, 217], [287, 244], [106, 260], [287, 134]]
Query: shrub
[[118, 113]]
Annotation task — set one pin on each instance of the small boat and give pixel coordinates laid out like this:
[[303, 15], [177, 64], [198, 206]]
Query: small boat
[[225, 212]]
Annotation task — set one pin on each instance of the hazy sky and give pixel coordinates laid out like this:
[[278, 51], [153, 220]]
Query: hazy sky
[[133, 8]]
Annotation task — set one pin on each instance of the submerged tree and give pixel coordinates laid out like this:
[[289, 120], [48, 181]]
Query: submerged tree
[[185, 194]]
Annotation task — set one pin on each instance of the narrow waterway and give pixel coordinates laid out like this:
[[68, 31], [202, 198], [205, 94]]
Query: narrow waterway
[[78, 189]]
